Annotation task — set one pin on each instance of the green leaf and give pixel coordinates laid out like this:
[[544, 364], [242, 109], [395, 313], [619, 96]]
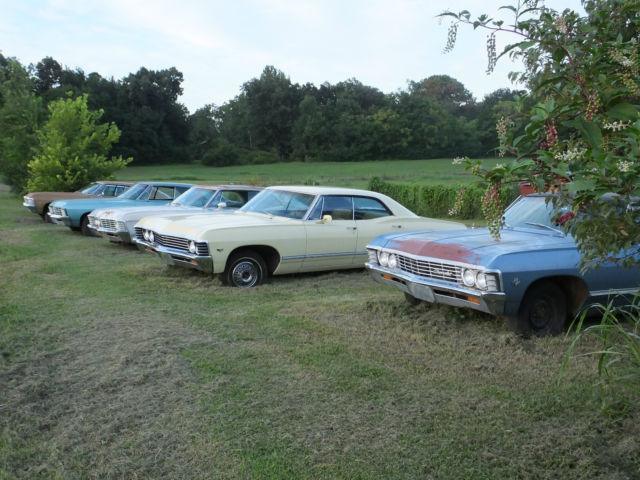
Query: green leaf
[[624, 112], [590, 132]]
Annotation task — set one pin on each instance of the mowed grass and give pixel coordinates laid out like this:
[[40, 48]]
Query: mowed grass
[[113, 365], [347, 174]]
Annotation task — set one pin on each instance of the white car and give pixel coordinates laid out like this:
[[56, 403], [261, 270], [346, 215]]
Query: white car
[[117, 224], [282, 230]]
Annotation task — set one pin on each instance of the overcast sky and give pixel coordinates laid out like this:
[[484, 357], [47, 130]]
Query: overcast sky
[[220, 44]]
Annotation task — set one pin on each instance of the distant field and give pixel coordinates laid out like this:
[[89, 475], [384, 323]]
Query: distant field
[[352, 174]]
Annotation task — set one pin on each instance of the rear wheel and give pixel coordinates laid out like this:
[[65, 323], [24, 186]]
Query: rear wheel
[[543, 311], [245, 269]]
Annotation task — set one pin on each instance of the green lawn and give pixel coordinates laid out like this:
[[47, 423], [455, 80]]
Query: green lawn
[[113, 365], [356, 174]]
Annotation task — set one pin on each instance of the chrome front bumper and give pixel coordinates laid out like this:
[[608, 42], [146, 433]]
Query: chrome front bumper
[[60, 220], [176, 257], [437, 291], [116, 237]]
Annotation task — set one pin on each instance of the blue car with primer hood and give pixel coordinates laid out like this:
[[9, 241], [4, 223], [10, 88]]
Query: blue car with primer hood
[[531, 275], [75, 213]]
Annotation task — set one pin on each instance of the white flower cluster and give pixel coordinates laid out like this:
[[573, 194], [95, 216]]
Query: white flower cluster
[[624, 165], [570, 155], [616, 126], [458, 160]]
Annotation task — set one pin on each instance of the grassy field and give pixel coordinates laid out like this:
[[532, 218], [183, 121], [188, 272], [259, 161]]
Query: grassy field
[[331, 173], [113, 365]]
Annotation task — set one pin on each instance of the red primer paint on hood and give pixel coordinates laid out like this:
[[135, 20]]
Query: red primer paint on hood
[[444, 251]]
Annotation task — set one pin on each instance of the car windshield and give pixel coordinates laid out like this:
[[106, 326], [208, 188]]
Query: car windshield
[[280, 203], [134, 192], [195, 197], [531, 211]]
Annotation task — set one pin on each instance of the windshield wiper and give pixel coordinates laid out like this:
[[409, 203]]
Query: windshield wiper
[[542, 225]]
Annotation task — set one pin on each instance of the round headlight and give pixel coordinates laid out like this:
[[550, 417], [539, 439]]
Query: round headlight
[[383, 258], [468, 277], [145, 235], [192, 246], [96, 222], [150, 236], [481, 281], [393, 261]]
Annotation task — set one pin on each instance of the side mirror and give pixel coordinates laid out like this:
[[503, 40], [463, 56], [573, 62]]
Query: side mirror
[[327, 218], [222, 205]]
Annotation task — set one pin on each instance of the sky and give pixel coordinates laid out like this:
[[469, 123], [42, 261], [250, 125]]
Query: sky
[[218, 45]]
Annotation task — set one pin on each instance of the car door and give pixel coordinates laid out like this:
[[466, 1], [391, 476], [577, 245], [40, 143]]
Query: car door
[[331, 234], [372, 218]]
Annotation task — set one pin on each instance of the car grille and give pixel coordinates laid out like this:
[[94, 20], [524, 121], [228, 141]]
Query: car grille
[[178, 243], [108, 224], [429, 268], [53, 210]]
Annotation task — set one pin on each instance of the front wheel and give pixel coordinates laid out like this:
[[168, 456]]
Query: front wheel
[[84, 227], [245, 269], [411, 299], [543, 311]]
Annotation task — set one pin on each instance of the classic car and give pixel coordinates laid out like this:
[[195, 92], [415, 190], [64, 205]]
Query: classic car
[[531, 275], [281, 230], [117, 224], [74, 213], [38, 202]]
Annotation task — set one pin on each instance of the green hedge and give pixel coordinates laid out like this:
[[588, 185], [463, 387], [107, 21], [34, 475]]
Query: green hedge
[[437, 200]]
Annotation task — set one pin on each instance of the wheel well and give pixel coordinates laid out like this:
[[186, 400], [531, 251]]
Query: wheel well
[[269, 254], [574, 290]]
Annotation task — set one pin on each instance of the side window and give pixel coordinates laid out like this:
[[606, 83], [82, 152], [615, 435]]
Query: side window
[[121, 189], [109, 191], [339, 207], [234, 199], [162, 193], [367, 208], [175, 192]]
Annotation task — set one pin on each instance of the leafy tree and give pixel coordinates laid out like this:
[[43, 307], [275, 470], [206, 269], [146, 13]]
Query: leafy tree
[[21, 114], [272, 109], [154, 125], [443, 89], [583, 133], [73, 148]]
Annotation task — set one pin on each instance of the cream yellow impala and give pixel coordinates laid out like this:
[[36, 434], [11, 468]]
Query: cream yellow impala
[[281, 230]]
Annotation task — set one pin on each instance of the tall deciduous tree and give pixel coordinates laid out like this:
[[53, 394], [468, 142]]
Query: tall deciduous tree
[[583, 134], [73, 148], [21, 114]]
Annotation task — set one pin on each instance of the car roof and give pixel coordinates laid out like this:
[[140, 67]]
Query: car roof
[[319, 190], [230, 187], [115, 182], [173, 184]]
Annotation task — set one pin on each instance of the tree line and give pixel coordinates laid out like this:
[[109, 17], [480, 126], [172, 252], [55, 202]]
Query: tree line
[[270, 120]]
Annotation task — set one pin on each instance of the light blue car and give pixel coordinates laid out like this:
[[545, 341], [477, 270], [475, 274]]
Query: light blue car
[[74, 213], [531, 275]]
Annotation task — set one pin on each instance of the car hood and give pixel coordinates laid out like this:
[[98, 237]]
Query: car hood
[[93, 203], [194, 226], [139, 211], [474, 246]]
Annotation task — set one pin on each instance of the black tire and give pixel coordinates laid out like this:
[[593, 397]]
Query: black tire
[[84, 227], [45, 214], [543, 311], [245, 269], [411, 299]]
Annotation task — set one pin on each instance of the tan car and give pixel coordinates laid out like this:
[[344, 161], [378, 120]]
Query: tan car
[[38, 202], [281, 230]]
